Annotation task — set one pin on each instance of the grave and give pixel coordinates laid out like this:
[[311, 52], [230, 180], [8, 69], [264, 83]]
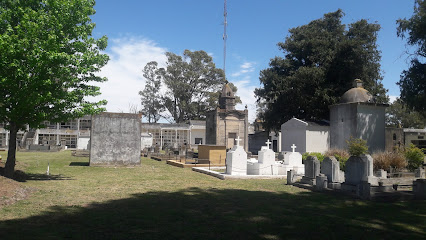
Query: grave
[[236, 160], [419, 173], [265, 165], [292, 161], [330, 167], [115, 139], [359, 171], [312, 170]]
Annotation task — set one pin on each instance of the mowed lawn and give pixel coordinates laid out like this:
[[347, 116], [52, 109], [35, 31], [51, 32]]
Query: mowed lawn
[[158, 201]]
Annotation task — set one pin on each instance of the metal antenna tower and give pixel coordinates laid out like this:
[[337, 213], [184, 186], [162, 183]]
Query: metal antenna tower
[[225, 23]]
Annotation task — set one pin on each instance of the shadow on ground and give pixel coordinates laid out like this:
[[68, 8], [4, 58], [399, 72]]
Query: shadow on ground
[[22, 176], [79, 164], [225, 214]]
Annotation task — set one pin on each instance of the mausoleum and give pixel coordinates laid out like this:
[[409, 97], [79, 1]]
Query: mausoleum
[[225, 123]]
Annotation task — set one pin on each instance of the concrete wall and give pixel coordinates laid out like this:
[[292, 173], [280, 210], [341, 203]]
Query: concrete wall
[[343, 124], [115, 139], [293, 132], [198, 133], [317, 139], [371, 126], [82, 142], [416, 137], [359, 120]]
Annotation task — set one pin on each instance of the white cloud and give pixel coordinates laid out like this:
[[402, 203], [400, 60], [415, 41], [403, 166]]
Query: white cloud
[[246, 94], [392, 98], [246, 67], [128, 56]]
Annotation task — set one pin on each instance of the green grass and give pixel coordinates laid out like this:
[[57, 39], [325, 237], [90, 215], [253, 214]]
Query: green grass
[[158, 201]]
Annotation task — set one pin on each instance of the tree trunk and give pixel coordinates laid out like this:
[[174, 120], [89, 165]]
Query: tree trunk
[[9, 168]]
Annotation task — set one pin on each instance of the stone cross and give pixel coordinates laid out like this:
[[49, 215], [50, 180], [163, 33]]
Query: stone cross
[[268, 143], [293, 147], [238, 140]]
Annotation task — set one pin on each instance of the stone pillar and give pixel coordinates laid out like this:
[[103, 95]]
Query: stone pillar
[[321, 182], [290, 177]]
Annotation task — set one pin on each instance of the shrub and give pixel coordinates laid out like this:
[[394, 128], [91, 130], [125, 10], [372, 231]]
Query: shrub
[[357, 146], [414, 156], [319, 156], [385, 160], [341, 155]]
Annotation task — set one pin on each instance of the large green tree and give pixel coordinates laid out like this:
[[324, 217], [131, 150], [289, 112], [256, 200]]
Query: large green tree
[[192, 84], [413, 81], [152, 105], [322, 59], [400, 116], [48, 60]]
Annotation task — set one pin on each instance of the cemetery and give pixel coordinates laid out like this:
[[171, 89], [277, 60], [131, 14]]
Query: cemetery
[[321, 160]]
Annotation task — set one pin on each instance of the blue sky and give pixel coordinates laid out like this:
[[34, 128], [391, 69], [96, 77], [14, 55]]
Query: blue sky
[[142, 31]]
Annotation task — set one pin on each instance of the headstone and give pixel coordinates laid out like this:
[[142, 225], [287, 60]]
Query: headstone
[[419, 173], [312, 170], [331, 168], [267, 161], [419, 189], [321, 182], [382, 174], [290, 177], [358, 169], [236, 160]]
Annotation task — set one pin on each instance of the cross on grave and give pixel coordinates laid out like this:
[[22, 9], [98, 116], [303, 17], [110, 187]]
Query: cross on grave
[[268, 143], [293, 147], [238, 140]]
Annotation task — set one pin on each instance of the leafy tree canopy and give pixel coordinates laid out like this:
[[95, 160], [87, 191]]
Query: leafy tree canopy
[[413, 81], [193, 85], [48, 59], [152, 106], [322, 59], [400, 116]]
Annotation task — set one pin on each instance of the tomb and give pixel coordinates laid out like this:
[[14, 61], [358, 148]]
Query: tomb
[[225, 123], [330, 167], [236, 160], [115, 139], [214, 154], [312, 170]]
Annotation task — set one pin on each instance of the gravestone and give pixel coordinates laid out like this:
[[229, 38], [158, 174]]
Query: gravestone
[[358, 169], [330, 167], [292, 161], [419, 173], [321, 182], [419, 189], [267, 161], [236, 160], [312, 170], [382, 174]]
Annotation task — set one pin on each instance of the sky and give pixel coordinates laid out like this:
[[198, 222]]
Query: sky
[[140, 31]]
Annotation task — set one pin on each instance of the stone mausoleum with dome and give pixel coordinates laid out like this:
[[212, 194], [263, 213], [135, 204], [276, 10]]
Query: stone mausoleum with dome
[[357, 115]]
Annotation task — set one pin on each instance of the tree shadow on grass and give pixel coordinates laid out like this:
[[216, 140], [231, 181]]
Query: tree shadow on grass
[[79, 164], [225, 214], [22, 176]]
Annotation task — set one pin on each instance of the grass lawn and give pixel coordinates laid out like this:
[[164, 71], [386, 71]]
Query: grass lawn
[[159, 201]]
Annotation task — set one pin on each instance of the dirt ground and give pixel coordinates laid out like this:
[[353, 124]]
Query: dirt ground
[[12, 191]]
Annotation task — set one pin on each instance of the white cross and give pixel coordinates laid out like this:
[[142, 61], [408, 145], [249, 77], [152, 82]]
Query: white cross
[[238, 140], [293, 147], [268, 143]]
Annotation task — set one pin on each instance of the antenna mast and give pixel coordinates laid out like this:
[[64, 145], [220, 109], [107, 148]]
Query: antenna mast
[[225, 23]]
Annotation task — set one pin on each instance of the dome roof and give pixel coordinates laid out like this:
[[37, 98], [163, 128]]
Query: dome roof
[[356, 95]]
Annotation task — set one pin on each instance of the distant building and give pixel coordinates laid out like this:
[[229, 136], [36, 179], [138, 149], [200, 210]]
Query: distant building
[[357, 116], [225, 124], [308, 136], [175, 135]]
